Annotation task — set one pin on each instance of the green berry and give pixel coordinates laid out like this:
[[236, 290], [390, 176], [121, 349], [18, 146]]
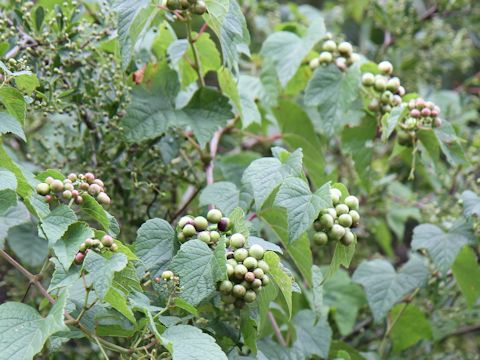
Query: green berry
[[103, 199], [352, 202], [325, 57], [331, 211], [239, 291], [240, 271], [329, 46], [184, 4], [368, 79], [326, 220], [214, 236], [189, 230], [256, 251], [88, 243], [393, 84], [228, 299], [380, 83], [410, 123], [107, 240], [230, 270], [199, 8], [49, 180], [265, 280], [167, 275], [94, 189], [250, 262], [83, 247], [320, 238], [204, 236], [385, 67], [240, 254], [237, 240], [226, 287], [214, 216], [184, 221], [345, 220], [67, 194], [72, 177], [345, 48], [355, 217], [348, 238], [262, 264], [336, 195], [250, 296], [258, 273], [387, 97], [114, 247], [96, 243], [181, 237], [249, 277], [200, 223], [336, 232], [56, 186], [239, 303], [341, 209], [173, 4], [314, 63], [232, 262], [43, 189], [257, 283]]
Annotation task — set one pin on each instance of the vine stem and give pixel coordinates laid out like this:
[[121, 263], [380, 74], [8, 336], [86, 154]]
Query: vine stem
[[390, 327], [411, 176], [276, 329], [196, 58]]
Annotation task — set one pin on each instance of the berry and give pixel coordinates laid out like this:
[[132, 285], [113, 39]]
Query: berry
[[374, 105], [79, 200], [89, 177], [336, 232], [189, 230], [75, 193], [437, 122], [320, 238], [240, 254], [214, 236], [240, 271], [387, 97], [396, 100], [88, 243], [250, 262], [204, 236], [355, 217], [380, 83], [258, 273], [43, 189], [332, 212], [114, 247], [239, 303], [184, 221], [68, 186], [345, 48], [173, 4], [327, 221], [56, 186], [426, 112], [415, 113], [410, 123], [239, 291], [181, 237], [368, 79], [228, 299], [336, 195], [420, 103], [314, 63], [99, 183], [84, 186], [49, 180], [249, 276], [157, 280], [199, 8], [167, 275], [325, 57], [393, 84], [107, 240], [79, 258], [250, 296], [404, 138], [262, 264], [67, 194], [257, 283], [348, 238], [103, 199], [342, 209], [224, 224], [341, 63], [237, 240], [232, 262], [352, 202], [96, 243], [184, 4], [230, 270], [72, 177], [401, 90], [345, 220], [200, 223], [82, 247], [265, 280], [329, 46], [385, 67], [226, 287], [214, 216], [256, 251]]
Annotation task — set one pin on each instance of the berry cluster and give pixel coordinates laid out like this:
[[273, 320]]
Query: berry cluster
[[208, 230], [335, 223], [197, 7], [246, 270], [340, 54], [422, 114], [387, 91], [72, 188], [98, 245]]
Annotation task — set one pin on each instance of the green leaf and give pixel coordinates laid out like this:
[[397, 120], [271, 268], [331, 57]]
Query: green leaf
[[11, 217], [93, 210], [13, 101], [199, 269], [223, 194], [340, 346], [9, 124], [29, 248], [102, 270], [226, 19], [109, 322], [228, 85], [55, 224], [342, 256], [317, 291], [443, 247], [61, 277], [333, 93], [391, 119], [27, 83], [450, 144], [248, 328], [187, 342], [280, 278], [265, 297], [155, 245], [8, 181], [467, 272], [23, 332], [66, 248], [153, 111], [118, 300], [410, 328], [313, 338], [239, 223], [287, 50], [302, 205], [384, 286], [8, 198], [24, 189], [471, 203]]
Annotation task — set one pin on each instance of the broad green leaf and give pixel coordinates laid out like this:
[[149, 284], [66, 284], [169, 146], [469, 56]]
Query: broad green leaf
[[226, 19], [102, 270], [155, 245], [283, 281], [9, 124], [411, 327], [248, 328], [467, 272], [342, 256], [229, 87], [127, 280], [30, 249], [383, 236], [449, 144], [189, 342], [391, 119], [313, 338], [233, 166], [8, 181], [199, 269], [23, 332], [276, 218], [384, 286], [443, 247], [11, 217], [265, 297], [471, 203], [68, 245], [109, 322], [317, 291], [8, 198], [61, 277], [239, 223], [94, 211], [287, 50], [337, 346], [298, 132], [269, 349], [24, 189], [333, 93], [302, 205], [55, 224], [223, 194], [118, 300], [14, 102], [267, 245], [27, 83]]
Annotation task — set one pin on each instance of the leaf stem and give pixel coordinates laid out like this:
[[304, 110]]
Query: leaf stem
[[196, 57], [411, 176], [276, 329]]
